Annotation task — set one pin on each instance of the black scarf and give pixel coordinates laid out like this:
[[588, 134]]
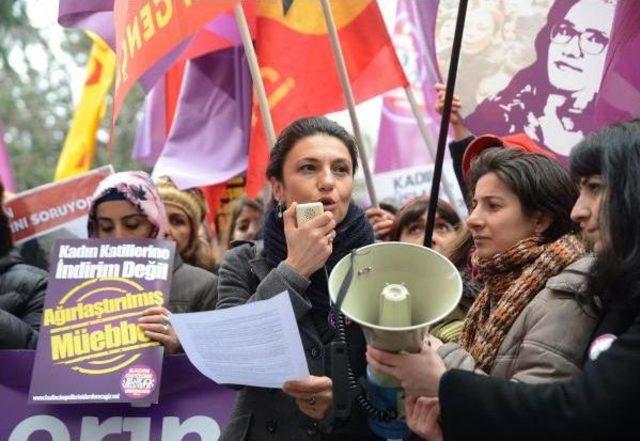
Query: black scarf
[[353, 232]]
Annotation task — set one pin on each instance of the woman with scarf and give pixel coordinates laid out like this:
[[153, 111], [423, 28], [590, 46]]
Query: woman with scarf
[[532, 320], [314, 159], [127, 205], [603, 401]]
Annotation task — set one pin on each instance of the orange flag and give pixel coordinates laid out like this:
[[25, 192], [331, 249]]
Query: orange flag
[[148, 30], [299, 70]]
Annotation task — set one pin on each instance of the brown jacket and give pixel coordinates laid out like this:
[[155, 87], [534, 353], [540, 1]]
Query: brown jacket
[[548, 340]]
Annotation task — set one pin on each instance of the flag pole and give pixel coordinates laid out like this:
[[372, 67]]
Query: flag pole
[[430, 142], [254, 68], [444, 122], [348, 93]]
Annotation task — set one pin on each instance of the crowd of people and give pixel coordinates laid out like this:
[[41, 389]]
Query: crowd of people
[[543, 345]]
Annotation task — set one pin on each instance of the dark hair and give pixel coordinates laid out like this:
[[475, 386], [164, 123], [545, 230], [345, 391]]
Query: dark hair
[[539, 182], [616, 149], [297, 130], [239, 205], [412, 211], [6, 240], [586, 160]]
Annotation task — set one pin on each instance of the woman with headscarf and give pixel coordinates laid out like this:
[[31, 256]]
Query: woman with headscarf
[[127, 205]]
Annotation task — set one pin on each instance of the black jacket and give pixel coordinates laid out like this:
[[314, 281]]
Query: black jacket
[[601, 403], [22, 290]]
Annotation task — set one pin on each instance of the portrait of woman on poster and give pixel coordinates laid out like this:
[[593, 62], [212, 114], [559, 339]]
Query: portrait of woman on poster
[[552, 100]]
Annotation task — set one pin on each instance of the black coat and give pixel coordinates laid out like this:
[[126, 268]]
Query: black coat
[[22, 290], [601, 403]]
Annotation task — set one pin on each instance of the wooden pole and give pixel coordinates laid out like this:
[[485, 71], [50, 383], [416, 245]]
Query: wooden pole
[[444, 123], [348, 93], [430, 143], [254, 67]]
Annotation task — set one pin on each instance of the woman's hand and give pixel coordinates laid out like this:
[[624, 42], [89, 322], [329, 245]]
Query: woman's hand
[[155, 324], [460, 131], [308, 245], [423, 414], [314, 396], [418, 374], [381, 221]]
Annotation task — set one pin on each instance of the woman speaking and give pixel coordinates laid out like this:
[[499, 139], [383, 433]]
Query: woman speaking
[[313, 160]]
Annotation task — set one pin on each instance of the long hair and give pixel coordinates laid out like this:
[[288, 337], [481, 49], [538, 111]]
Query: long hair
[[615, 276]]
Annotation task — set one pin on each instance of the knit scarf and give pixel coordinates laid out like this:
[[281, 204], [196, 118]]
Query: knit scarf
[[353, 232], [511, 280]]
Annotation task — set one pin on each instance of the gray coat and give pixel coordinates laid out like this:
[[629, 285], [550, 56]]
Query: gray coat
[[269, 414], [548, 340], [192, 289]]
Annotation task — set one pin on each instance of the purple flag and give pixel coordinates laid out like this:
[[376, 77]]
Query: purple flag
[[619, 95], [400, 144], [6, 173], [208, 141], [94, 15], [151, 136]]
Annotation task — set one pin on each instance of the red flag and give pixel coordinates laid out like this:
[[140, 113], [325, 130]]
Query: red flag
[[148, 31], [299, 70]]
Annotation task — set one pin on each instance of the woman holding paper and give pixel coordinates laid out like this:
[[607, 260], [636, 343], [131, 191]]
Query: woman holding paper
[[313, 160], [127, 205]]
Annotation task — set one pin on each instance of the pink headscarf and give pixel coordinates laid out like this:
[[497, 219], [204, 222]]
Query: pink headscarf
[[137, 188]]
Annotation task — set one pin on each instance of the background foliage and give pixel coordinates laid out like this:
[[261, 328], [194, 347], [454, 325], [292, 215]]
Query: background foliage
[[36, 105]]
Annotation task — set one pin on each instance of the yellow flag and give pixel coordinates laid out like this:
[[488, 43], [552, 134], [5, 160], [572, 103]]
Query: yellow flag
[[80, 146]]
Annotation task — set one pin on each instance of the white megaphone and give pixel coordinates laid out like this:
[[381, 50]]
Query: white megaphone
[[394, 291]]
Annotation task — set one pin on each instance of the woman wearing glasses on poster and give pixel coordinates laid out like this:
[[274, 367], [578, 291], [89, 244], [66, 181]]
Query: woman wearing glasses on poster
[[552, 100]]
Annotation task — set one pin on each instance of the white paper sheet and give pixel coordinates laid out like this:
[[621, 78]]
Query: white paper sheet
[[256, 344]]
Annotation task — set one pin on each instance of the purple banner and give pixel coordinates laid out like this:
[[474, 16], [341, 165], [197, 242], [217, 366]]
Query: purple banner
[[191, 408], [90, 347]]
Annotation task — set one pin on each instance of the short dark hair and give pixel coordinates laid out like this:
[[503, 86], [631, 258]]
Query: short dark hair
[[6, 240], [297, 130], [412, 211], [539, 182]]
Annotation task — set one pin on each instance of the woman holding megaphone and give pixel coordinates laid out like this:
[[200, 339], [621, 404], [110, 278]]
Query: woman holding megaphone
[[533, 319], [603, 401], [313, 160]]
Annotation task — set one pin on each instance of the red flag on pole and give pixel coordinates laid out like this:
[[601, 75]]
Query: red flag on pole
[[299, 71]]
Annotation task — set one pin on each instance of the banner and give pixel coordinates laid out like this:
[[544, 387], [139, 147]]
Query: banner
[[190, 408], [537, 66], [56, 210], [90, 347], [146, 32], [402, 150]]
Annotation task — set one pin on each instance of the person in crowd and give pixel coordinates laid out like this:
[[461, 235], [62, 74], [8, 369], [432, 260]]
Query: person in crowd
[[533, 273], [22, 290], [314, 159], [382, 220], [246, 220], [186, 210], [411, 221], [128, 205], [601, 402]]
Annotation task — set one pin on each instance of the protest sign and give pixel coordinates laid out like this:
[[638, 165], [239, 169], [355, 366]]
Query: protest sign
[[90, 347], [191, 407], [56, 210]]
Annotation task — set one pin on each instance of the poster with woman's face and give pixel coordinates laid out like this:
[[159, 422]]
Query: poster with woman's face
[[530, 66]]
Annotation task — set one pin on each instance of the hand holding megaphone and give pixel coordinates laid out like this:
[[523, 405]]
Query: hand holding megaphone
[[419, 374], [308, 245]]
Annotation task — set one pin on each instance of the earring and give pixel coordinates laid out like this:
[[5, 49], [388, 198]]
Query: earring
[[279, 210]]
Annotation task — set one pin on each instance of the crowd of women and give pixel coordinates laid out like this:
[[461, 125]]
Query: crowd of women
[[544, 344]]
